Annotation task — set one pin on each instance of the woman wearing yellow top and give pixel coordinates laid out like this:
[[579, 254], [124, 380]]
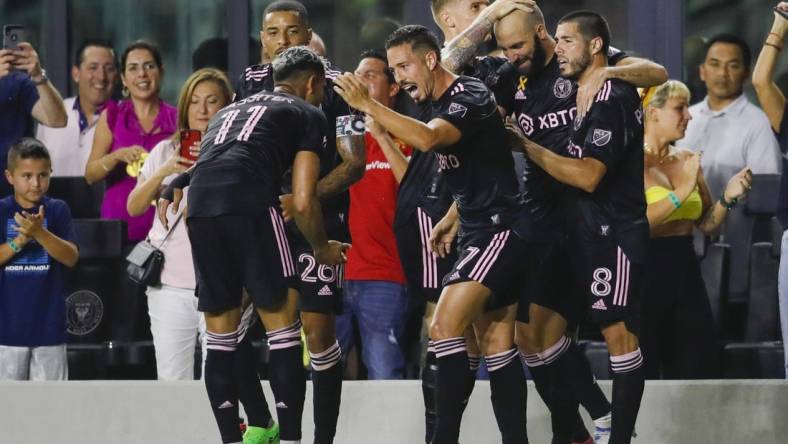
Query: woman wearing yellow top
[[677, 331]]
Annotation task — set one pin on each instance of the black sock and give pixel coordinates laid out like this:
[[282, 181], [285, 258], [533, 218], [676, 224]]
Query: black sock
[[452, 373], [428, 380], [628, 380], [474, 361], [589, 393], [250, 392], [563, 390], [508, 392], [288, 379], [543, 381], [326, 392], [220, 384]]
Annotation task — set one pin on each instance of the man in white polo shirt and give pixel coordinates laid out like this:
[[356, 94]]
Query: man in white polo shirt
[[95, 73], [731, 133]]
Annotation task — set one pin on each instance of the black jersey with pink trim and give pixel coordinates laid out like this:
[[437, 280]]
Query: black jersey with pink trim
[[257, 78], [246, 150], [478, 169], [612, 133]]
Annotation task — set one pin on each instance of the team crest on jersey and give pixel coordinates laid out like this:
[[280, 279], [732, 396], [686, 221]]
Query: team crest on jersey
[[562, 88], [526, 123], [601, 137], [519, 95], [455, 109]]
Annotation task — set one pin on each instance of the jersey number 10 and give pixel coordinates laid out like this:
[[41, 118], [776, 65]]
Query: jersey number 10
[[228, 119]]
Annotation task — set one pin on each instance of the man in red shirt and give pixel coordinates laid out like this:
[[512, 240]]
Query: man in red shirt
[[375, 291]]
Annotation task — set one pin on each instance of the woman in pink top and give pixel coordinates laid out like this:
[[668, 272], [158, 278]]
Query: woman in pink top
[[127, 130], [175, 321]]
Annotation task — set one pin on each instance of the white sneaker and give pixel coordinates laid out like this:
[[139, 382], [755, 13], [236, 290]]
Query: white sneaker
[[602, 428]]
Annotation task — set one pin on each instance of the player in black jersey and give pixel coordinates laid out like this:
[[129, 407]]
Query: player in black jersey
[[467, 136], [602, 164], [237, 232], [286, 24], [544, 111]]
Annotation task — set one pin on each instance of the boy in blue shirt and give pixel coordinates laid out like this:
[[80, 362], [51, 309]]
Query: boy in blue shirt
[[38, 242]]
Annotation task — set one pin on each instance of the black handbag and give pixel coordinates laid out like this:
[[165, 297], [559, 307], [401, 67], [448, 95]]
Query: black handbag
[[146, 261]]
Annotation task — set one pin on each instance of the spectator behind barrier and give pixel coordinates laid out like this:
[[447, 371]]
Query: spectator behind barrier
[[38, 243], [731, 133], [127, 131], [95, 72], [175, 321], [25, 94], [677, 332], [774, 105], [375, 293]]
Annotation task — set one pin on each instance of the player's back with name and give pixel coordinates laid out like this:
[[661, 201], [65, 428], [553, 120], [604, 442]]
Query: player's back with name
[[247, 149]]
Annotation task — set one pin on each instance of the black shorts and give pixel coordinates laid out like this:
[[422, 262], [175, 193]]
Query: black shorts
[[609, 282], [319, 286], [493, 260], [551, 283], [232, 253], [424, 270]]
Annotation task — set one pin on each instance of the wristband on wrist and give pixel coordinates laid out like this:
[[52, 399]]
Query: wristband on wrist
[[674, 200], [776, 35], [777, 47], [726, 204], [14, 247]]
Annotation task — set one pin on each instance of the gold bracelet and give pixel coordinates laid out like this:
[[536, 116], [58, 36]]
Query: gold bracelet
[[101, 162], [777, 47]]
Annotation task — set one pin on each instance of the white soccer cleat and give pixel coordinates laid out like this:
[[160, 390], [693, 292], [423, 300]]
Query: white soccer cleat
[[602, 428]]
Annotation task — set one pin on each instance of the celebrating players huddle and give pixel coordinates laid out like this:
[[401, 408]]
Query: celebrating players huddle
[[507, 273]]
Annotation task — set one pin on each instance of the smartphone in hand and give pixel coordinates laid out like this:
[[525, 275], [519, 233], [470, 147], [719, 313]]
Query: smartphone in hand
[[189, 137], [12, 36]]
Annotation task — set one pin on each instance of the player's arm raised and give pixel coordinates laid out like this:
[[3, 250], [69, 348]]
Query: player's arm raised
[[352, 150], [639, 72], [307, 212], [421, 136], [461, 49]]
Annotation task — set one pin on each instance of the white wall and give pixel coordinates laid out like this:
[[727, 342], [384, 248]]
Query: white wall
[[150, 412]]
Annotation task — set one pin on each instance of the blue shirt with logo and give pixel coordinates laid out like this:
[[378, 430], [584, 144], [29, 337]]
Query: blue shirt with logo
[[33, 284], [18, 95]]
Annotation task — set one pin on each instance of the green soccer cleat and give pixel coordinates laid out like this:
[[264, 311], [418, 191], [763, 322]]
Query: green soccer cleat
[[260, 435]]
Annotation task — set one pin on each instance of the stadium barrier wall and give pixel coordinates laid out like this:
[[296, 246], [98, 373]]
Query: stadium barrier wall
[[379, 412]]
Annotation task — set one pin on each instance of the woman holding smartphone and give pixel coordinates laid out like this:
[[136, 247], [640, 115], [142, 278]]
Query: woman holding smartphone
[[175, 321]]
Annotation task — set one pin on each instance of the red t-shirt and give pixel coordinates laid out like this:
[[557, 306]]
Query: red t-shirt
[[374, 255]]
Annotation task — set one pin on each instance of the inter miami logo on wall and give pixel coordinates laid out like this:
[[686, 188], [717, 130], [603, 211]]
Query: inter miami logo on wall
[[84, 312], [562, 88]]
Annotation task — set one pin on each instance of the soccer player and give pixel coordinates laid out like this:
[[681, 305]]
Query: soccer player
[[545, 106], [467, 136], [237, 232], [602, 164], [286, 24]]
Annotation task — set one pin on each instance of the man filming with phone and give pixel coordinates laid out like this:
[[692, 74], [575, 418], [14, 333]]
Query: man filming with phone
[[25, 94]]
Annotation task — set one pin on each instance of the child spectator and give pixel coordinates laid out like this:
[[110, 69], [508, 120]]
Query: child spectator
[[38, 243]]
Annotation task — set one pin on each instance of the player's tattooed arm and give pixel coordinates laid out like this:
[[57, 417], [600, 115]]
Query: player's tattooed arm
[[352, 150], [461, 49], [584, 173], [639, 72]]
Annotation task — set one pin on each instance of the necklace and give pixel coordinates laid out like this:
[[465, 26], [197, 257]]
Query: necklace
[[661, 159]]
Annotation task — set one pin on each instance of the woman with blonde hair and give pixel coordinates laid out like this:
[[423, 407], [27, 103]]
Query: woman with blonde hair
[[677, 332], [175, 321]]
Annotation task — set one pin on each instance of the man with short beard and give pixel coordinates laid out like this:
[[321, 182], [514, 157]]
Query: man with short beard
[[466, 135], [601, 165], [545, 106]]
